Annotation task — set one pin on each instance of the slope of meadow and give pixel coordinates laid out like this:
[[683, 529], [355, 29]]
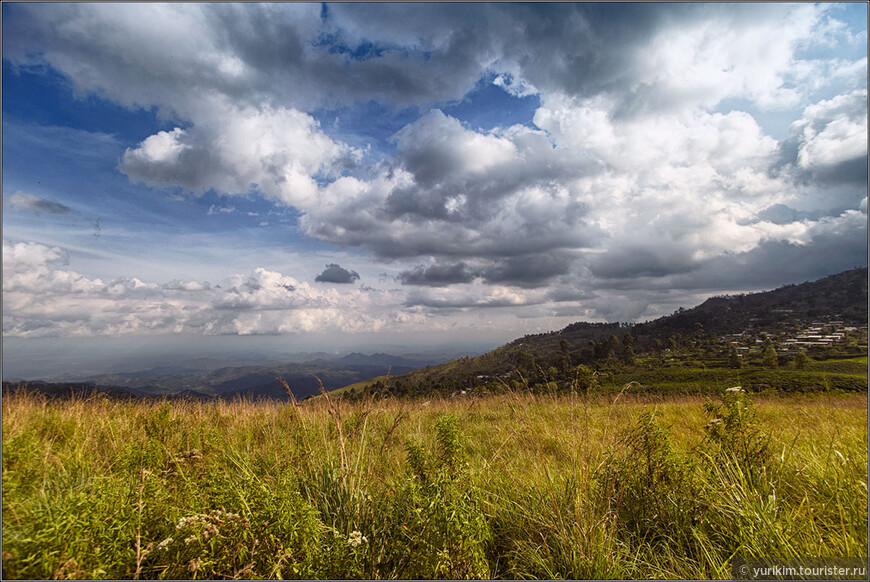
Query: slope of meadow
[[507, 486]]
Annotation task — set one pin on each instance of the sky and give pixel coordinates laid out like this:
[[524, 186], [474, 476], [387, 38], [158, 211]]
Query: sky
[[299, 177]]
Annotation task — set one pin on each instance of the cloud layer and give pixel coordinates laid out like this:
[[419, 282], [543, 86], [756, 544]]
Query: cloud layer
[[664, 154], [43, 298]]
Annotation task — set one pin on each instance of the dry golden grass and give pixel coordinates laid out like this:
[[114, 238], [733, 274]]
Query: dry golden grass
[[92, 487]]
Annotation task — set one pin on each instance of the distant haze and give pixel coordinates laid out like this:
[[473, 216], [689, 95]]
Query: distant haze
[[64, 359]]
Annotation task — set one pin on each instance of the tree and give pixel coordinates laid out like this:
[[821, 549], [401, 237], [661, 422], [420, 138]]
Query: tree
[[601, 350], [768, 355], [586, 379], [801, 360], [612, 345], [734, 359], [564, 356], [627, 349], [525, 363]]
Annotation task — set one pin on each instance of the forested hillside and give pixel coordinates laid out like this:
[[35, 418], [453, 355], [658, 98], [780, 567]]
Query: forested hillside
[[723, 332]]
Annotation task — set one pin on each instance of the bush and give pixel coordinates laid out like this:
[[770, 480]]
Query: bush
[[732, 430], [446, 531], [651, 490]]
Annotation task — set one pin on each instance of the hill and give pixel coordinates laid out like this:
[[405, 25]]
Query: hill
[[840, 298]]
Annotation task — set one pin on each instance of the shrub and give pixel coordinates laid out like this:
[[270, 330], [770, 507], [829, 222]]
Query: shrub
[[651, 490], [733, 432], [445, 527]]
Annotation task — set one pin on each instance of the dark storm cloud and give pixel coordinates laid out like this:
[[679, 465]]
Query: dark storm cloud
[[631, 262], [578, 48], [782, 214], [848, 173], [529, 271], [438, 275], [336, 274], [413, 54]]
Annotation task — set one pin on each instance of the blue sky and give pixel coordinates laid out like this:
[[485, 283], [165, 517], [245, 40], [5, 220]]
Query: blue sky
[[404, 174]]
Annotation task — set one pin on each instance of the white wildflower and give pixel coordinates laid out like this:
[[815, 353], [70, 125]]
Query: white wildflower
[[189, 540], [735, 389], [162, 545], [356, 538]]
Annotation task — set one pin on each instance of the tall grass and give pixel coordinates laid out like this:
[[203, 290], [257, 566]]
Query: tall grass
[[510, 486]]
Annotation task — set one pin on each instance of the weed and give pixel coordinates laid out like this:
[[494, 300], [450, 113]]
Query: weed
[[649, 487], [733, 432]]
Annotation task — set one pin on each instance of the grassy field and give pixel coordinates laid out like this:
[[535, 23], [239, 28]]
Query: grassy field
[[508, 486]]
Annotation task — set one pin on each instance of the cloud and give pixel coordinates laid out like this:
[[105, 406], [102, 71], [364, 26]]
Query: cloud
[[170, 56], [715, 56], [472, 296], [279, 152], [831, 244], [437, 144], [437, 275], [528, 270], [626, 197], [306, 57], [214, 209], [336, 274], [30, 202], [43, 298], [832, 132], [498, 199], [688, 185]]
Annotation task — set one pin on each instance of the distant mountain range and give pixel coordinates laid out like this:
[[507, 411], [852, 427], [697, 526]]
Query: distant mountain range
[[204, 379]]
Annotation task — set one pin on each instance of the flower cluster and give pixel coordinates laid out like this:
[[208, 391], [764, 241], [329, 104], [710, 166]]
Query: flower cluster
[[714, 423], [209, 524], [356, 538]]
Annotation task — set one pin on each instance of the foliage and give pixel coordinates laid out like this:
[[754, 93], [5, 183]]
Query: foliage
[[733, 432], [734, 359], [446, 531], [648, 486]]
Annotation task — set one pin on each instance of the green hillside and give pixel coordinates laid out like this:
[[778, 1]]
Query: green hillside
[[699, 339]]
